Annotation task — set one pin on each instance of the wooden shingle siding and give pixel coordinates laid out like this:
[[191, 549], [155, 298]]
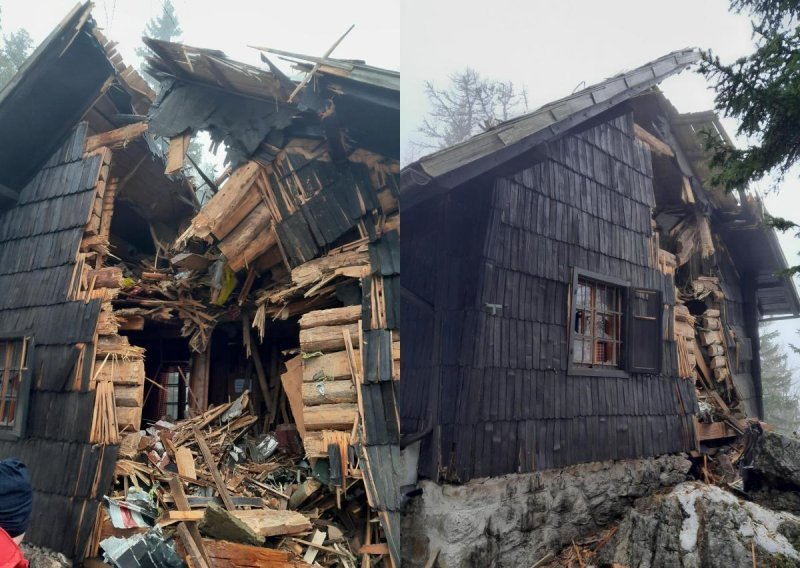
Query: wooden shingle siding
[[39, 241], [495, 376]]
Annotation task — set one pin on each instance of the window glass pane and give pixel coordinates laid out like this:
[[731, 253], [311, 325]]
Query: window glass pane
[[596, 324]]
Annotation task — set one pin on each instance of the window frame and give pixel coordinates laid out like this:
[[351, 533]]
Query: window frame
[[19, 428], [573, 368]]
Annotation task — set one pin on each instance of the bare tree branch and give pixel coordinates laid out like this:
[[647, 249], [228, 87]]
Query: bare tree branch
[[469, 104]]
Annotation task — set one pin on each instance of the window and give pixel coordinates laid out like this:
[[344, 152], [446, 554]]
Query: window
[[597, 324], [614, 329], [15, 358], [172, 402]]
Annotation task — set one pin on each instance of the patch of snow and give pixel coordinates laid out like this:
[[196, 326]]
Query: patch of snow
[[761, 524], [687, 495]]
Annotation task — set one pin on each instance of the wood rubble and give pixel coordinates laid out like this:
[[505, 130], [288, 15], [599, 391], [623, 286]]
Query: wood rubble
[[191, 338], [186, 466]]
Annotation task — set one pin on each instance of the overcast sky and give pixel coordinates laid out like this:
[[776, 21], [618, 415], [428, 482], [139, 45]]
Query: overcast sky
[[308, 27], [551, 47]]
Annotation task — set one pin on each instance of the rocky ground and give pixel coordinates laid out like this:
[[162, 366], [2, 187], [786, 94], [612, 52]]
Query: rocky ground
[[753, 521], [744, 511], [698, 525]]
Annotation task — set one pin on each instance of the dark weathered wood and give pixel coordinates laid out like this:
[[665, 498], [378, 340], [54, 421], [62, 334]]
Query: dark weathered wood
[[212, 466]]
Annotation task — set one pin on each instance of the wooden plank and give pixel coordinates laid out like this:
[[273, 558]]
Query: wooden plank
[[333, 316], [191, 532], [192, 547], [292, 382], [176, 155], [250, 239], [328, 392], [655, 144], [714, 431], [116, 138], [326, 338], [316, 541], [269, 522], [331, 366], [230, 205], [330, 416], [185, 462], [234, 555], [129, 417], [129, 395], [212, 466], [380, 549]]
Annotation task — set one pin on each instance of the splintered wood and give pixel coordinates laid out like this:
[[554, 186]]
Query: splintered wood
[[199, 449]]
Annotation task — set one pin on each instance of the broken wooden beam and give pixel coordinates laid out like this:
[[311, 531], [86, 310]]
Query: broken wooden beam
[[116, 138], [212, 466]]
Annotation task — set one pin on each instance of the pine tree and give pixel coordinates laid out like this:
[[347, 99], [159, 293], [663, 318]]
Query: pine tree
[[164, 27], [761, 90], [14, 50], [781, 402]]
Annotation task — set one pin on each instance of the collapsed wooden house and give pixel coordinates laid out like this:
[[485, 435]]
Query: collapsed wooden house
[[124, 303], [590, 295]]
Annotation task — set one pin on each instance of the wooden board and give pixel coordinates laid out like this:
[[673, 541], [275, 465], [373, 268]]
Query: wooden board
[[116, 138], [226, 554], [129, 395], [330, 416], [334, 316], [178, 146], [292, 382], [326, 338], [328, 392], [185, 462], [269, 522], [330, 365], [230, 205], [130, 372], [129, 417], [714, 431]]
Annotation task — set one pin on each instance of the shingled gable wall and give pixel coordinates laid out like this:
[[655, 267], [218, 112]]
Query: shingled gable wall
[[39, 241], [495, 387]]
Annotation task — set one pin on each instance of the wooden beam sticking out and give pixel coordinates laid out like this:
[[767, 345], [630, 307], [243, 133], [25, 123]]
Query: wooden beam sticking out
[[178, 146], [212, 466], [192, 547], [656, 145], [189, 532], [116, 138], [714, 431]]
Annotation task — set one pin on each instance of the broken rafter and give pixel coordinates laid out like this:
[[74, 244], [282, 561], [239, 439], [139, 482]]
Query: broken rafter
[[116, 138]]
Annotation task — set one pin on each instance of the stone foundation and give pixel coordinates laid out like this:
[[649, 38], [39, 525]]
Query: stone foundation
[[515, 520]]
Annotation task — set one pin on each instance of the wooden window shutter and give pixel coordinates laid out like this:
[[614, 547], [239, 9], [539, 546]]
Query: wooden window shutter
[[643, 354]]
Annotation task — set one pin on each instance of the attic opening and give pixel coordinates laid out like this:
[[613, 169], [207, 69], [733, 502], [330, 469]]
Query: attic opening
[[129, 234]]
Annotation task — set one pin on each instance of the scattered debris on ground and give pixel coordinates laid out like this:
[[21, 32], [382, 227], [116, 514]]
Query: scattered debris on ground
[[221, 492]]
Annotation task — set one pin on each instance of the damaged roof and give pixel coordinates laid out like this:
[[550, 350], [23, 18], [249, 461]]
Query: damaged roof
[[33, 122], [453, 166], [246, 107]]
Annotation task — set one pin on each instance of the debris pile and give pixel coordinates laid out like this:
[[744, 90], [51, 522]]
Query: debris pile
[[224, 493]]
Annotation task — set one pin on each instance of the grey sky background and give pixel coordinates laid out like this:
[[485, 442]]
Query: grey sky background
[[552, 46], [308, 27]]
